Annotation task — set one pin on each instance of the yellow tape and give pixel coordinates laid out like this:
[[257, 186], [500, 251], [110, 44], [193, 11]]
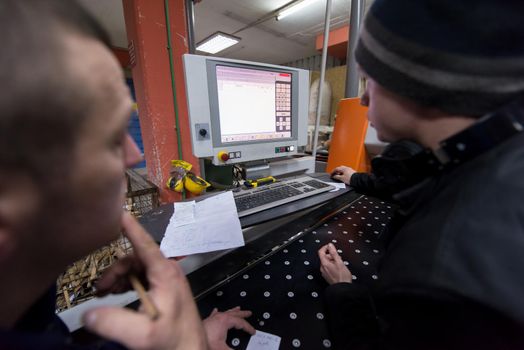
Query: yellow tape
[[181, 164]]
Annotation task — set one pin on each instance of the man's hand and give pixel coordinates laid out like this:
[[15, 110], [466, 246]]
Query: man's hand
[[178, 326], [332, 267], [342, 173], [218, 323]]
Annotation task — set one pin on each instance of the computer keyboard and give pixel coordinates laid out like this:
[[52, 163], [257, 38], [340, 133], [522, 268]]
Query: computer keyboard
[[261, 198]]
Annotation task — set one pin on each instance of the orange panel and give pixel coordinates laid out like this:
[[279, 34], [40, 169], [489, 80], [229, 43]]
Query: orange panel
[[336, 36], [337, 42], [347, 143]]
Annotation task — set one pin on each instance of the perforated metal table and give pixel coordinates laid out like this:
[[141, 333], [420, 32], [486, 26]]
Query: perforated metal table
[[283, 286]]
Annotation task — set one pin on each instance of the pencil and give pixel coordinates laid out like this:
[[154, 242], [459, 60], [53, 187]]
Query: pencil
[[146, 301]]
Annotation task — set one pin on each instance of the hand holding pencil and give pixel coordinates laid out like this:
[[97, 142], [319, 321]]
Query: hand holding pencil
[[172, 321], [122, 270]]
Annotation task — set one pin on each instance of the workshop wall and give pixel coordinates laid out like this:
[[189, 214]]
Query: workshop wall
[[336, 76]]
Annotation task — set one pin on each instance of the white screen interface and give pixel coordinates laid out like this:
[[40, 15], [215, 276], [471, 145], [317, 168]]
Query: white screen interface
[[253, 104]]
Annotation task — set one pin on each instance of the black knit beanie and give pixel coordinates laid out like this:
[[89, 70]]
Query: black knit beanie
[[463, 57]]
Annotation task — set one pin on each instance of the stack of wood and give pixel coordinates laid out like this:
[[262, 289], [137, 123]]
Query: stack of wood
[[76, 285]]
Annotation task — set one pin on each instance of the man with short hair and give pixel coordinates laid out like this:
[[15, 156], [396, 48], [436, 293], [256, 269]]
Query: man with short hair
[[448, 75], [64, 148]]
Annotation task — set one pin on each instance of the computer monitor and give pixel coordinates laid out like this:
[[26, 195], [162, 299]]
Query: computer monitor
[[243, 111]]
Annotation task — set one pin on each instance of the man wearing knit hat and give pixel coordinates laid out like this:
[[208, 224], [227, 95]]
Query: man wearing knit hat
[[448, 75]]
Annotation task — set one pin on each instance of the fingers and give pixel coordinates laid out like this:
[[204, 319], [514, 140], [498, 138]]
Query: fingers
[[338, 170], [240, 323], [326, 275], [333, 253], [322, 252], [239, 313], [114, 279], [338, 177], [144, 246], [343, 174], [328, 254], [323, 271], [323, 249], [233, 312], [114, 324], [147, 250], [322, 255], [235, 317]]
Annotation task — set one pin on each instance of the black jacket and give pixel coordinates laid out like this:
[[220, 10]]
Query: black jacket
[[453, 273], [400, 165], [41, 329]]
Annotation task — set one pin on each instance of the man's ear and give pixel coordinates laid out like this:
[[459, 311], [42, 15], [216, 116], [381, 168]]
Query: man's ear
[[18, 205], [7, 236], [6, 244]]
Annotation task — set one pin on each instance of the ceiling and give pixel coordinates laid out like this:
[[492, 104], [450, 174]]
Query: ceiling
[[271, 41]]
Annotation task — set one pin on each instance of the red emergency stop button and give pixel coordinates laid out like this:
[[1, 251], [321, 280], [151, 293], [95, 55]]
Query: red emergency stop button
[[223, 156]]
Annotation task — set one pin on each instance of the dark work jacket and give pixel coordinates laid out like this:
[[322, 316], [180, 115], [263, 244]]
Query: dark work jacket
[[367, 184], [41, 329], [401, 164], [453, 273]]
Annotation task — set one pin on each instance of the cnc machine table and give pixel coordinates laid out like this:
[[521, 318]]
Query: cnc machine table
[[284, 288]]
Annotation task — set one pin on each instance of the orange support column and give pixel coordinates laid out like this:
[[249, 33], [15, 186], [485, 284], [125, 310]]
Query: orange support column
[[147, 36]]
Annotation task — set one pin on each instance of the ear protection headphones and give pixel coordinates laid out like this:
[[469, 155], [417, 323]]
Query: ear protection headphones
[[405, 163]]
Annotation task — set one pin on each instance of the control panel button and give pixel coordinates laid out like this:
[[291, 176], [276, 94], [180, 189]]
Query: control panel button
[[284, 149], [223, 156]]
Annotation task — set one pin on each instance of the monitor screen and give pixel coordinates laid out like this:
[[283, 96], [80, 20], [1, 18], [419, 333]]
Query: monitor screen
[[253, 104]]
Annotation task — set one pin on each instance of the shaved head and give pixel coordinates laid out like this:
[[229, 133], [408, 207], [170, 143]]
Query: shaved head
[[43, 103]]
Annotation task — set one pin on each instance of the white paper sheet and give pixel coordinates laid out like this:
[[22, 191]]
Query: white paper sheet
[[338, 185], [184, 213], [263, 341], [216, 227]]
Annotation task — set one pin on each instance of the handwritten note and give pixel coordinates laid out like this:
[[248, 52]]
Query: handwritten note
[[216, 226], [263, 341]]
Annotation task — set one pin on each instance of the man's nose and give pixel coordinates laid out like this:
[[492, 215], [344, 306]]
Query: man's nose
[[364, 99], [132, 153]]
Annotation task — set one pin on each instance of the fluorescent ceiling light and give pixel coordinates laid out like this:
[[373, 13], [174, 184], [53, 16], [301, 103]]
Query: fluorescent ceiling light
[[217, 42], [294, 8]]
